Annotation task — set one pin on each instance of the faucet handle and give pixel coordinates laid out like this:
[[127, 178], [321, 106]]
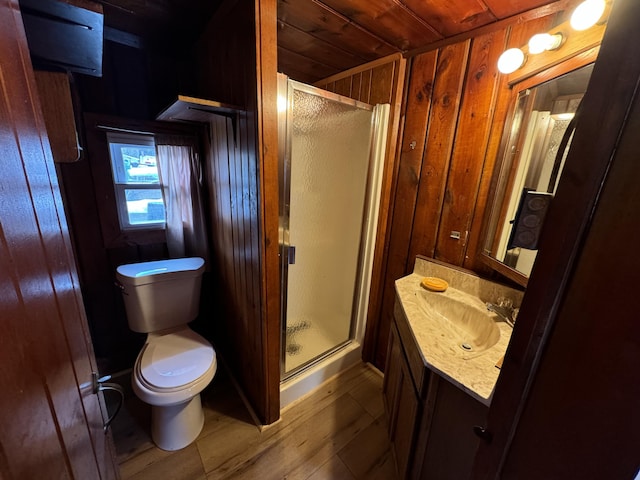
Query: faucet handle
[[505, 302]]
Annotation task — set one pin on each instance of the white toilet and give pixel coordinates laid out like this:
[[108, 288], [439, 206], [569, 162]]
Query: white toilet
[[176, 363]]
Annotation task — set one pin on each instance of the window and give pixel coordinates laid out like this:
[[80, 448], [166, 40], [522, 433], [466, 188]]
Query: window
[[137, 181]]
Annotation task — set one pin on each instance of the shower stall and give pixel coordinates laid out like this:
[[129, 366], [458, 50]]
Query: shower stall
[[331, 160]]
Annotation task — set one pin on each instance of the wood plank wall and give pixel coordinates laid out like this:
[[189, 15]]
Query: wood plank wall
[[453, 113], [50, 426], [241, 168], [381, 81]]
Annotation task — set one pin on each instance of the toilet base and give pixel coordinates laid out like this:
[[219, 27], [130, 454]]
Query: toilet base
[[176, 426]]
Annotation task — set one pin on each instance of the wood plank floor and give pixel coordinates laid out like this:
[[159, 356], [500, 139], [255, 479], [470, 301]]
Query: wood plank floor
[[336, 432]]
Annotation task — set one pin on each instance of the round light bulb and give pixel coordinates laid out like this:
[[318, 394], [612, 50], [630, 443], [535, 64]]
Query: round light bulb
[[544, 41], [587, 14], [511, 60]]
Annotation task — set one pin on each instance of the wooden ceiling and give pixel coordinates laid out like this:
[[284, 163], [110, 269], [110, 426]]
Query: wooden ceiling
[[319, 38], [161, 24]]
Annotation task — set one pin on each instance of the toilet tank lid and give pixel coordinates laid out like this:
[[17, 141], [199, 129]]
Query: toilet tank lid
[[161, 270]]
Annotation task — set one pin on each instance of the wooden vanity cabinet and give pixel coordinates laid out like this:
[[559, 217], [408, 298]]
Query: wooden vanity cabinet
[[403, 407], [445, 443], [430, 420]]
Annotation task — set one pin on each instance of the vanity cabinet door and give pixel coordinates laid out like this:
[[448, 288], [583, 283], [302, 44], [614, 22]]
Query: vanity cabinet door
[[401, 403], [447, 431]]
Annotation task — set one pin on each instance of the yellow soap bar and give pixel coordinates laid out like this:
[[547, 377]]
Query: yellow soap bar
[[434, 284]]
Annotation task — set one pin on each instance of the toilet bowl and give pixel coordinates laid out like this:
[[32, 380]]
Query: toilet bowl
[[175, 363], [169, 374]]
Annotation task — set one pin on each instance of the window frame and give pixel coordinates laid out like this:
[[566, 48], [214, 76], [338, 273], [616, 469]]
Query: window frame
[[97, 160], [131, 138]]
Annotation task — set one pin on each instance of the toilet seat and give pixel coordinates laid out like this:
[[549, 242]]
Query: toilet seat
[[181, 346], [173, 361]]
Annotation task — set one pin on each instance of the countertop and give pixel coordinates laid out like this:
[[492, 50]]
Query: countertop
[[473, 372]]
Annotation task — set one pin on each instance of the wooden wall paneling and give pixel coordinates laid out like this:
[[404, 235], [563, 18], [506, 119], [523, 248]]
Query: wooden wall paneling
[[518, 35], [417, 110], [365, 86], [343, 86], [467, 160], [216, 147], [234, 185], [269, 188], [257, 286], [248, 267], [230, 315], [356, 86], [382, 81], [50, 426], [245, 211], [225, 221], [385, 76], [435, 150], [230, 29], [230, 32], [327, 86], [386, 206]]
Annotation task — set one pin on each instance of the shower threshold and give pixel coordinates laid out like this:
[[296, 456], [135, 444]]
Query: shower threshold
[[311, 376]]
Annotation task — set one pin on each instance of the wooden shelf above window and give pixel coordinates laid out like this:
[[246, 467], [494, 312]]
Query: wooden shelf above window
[[190, 109]]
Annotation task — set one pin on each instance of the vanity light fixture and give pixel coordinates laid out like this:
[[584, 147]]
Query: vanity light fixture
[[511, 60], [587, 14], [542, 42]]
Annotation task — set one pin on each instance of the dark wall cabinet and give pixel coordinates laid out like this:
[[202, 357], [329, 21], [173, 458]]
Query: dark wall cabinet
[[430, 420]]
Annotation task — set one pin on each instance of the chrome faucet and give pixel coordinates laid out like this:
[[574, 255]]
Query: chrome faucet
[[505, 310]]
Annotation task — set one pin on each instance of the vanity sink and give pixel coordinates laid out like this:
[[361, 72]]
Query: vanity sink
[[463, 320], [456, 336]]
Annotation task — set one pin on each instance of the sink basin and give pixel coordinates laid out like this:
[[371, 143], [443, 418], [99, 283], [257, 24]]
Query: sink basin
[[463, 319]]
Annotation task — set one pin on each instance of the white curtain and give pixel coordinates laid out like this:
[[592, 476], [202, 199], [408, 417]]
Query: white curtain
[[181, 178]]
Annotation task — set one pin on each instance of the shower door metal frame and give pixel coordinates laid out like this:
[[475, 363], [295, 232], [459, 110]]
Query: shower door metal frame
[[286, 87]]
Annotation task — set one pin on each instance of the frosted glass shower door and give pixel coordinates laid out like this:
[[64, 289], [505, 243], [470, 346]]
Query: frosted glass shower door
[[327, 168]]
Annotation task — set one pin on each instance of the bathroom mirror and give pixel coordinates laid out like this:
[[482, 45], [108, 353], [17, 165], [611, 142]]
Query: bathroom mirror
[[533, 150]]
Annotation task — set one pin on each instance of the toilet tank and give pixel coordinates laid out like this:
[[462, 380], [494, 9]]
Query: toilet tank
[[162, 294]]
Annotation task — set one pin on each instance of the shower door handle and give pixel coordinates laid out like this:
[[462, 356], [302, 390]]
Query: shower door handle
[[291, 254]]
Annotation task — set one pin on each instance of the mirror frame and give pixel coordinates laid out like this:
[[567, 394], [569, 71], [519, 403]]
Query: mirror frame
[[496, 198]]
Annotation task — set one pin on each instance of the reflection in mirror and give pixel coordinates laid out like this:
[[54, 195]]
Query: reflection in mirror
[[534, 149]]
